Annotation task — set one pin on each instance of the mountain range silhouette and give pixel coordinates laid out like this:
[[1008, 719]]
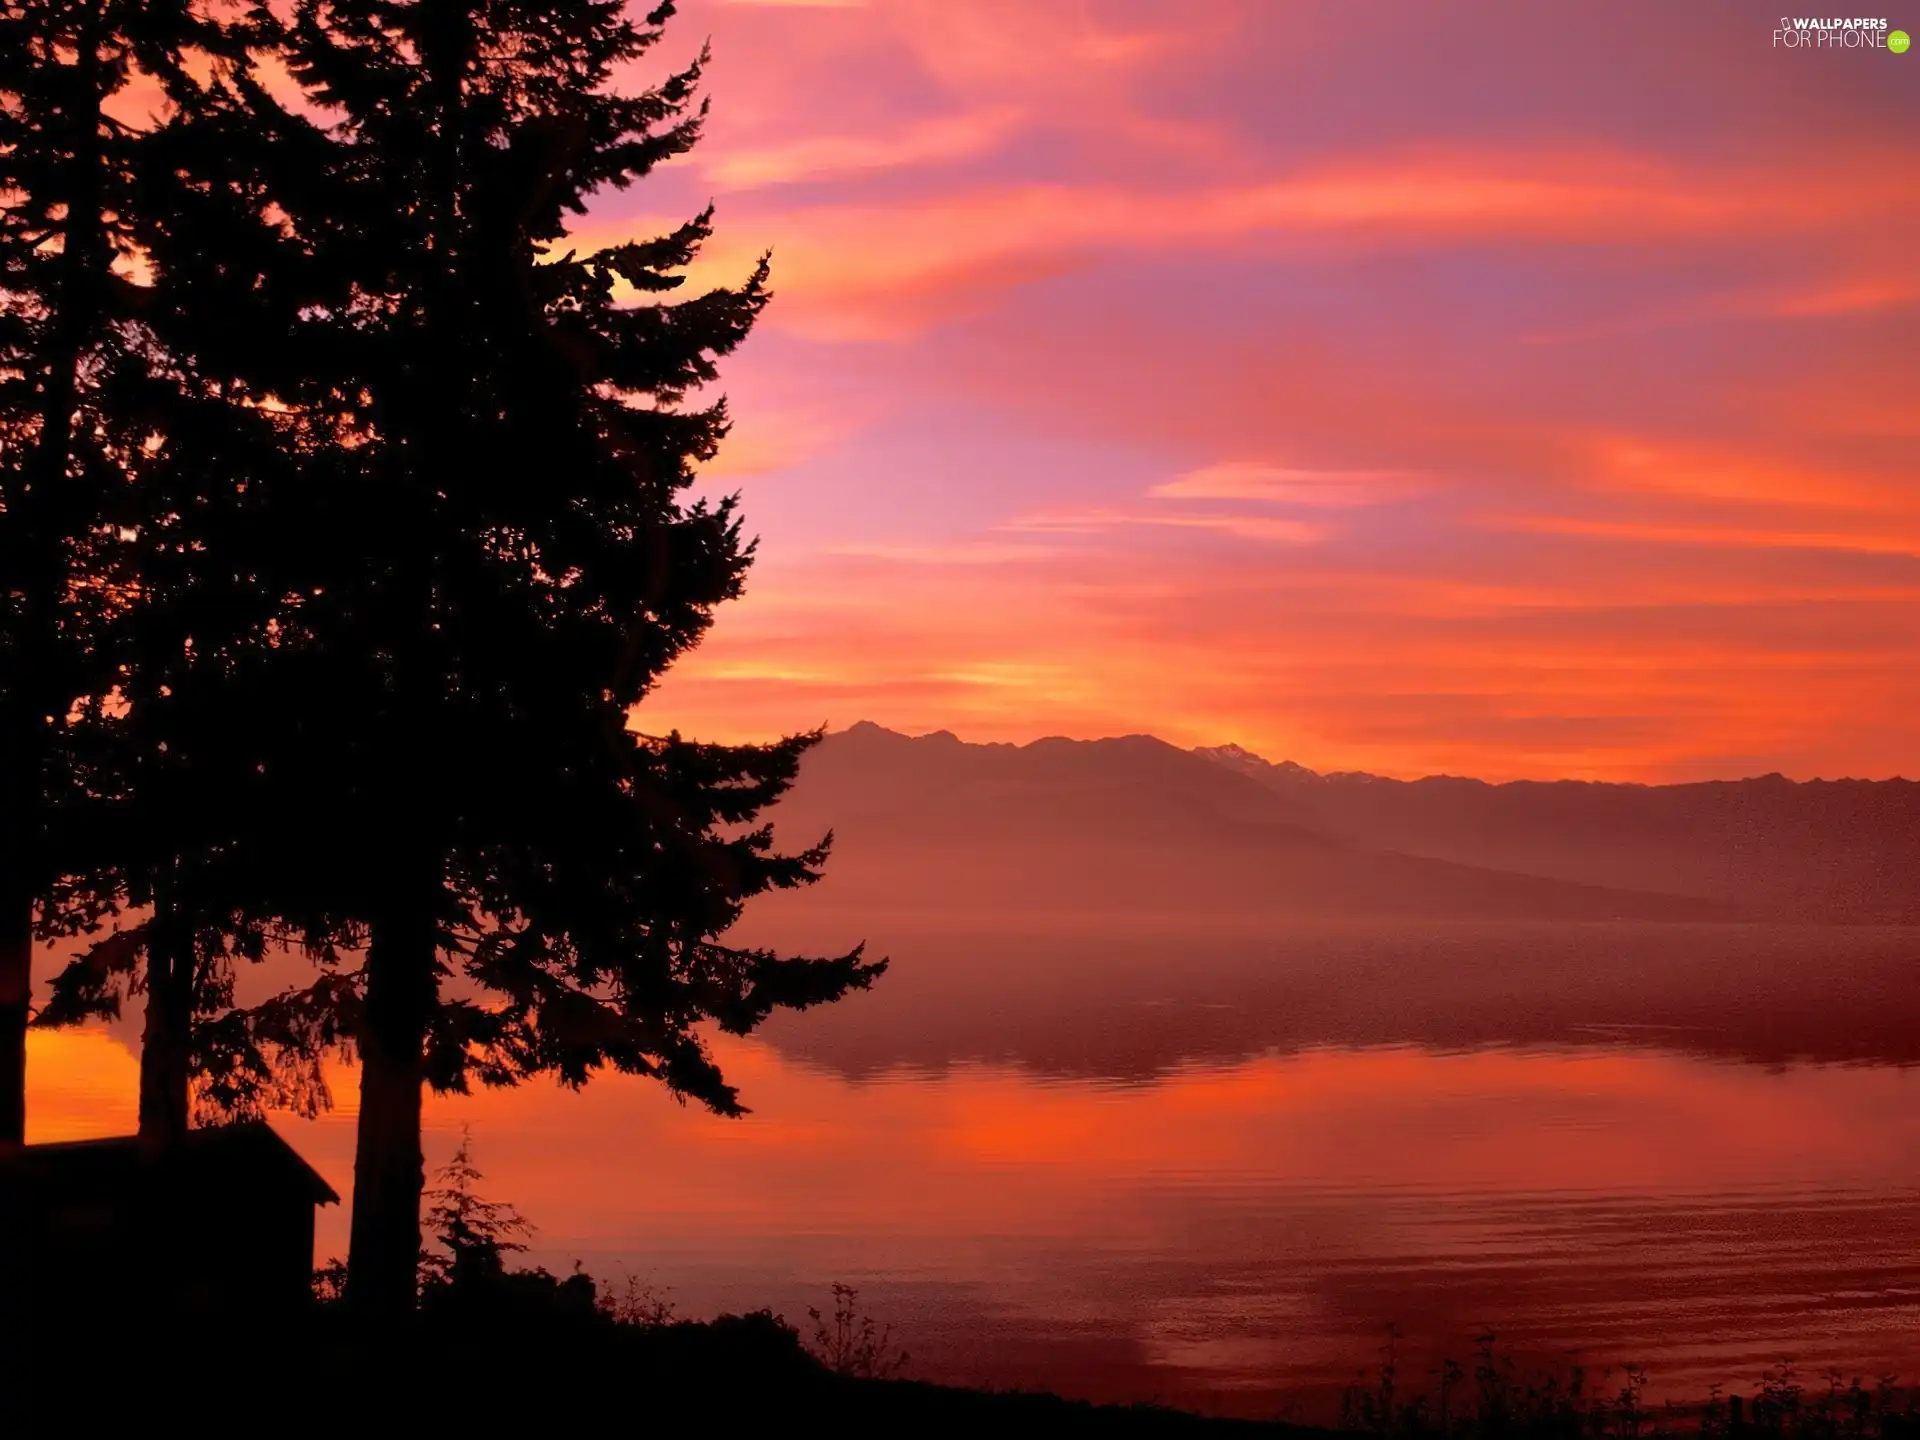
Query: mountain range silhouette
[[1135, 825]]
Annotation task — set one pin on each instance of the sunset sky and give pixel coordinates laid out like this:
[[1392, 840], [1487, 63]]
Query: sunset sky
[[1501, 389]]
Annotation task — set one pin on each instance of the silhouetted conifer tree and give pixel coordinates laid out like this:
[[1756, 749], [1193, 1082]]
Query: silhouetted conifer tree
[[195, 472], [72, 433], [495, 442], [216, 557]]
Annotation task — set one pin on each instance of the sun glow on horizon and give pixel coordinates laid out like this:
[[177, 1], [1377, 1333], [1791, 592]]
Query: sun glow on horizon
[[1373, 387]]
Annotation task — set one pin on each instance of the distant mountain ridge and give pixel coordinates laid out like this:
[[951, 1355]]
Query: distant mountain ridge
[[1844, 850], [1132, 825]]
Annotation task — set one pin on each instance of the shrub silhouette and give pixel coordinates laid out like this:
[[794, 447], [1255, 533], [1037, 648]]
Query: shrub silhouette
[[853, 1343]]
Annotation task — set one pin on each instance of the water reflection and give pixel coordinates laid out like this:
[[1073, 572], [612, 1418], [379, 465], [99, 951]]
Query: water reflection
[[1213, 1177], [1131, 1002]]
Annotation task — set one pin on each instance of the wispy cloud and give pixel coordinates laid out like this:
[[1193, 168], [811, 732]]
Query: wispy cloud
[[968, 552], [1320, 489], [1246, 527], [883, 269], [1714, 537], [818, 157], [1741, 477]]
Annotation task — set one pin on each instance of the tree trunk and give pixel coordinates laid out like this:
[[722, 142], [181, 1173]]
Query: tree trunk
[[16, 986], [389, 1172], [167, 1043]]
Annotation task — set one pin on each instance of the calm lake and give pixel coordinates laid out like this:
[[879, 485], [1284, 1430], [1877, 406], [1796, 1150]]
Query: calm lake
[[1178, 1161]]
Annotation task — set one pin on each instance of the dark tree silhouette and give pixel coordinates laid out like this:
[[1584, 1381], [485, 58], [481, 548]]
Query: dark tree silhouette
[[353, 531], [494, 440], [71, 435], [214, 552], [474, 1235], [194, 473], [201, 1056]]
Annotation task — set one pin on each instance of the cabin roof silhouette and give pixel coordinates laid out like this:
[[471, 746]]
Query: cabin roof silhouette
[[250, 1153], [219, 1225]]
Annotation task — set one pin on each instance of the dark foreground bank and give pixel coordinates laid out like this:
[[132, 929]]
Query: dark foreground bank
[[523, 1352], [94, 1341], [736, 1375], [491, 1372]]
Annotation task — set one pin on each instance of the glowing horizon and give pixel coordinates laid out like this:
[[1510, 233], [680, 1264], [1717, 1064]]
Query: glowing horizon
[[1484, 393]]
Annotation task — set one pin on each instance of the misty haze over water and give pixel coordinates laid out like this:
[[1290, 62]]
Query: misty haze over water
[[1157, 1100]]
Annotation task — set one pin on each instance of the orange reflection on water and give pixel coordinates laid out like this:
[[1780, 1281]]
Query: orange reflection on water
[[1224, 1235], [822, 1151], [81, 1084]]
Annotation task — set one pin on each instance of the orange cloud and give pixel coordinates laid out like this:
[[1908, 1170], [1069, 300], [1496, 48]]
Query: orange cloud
[[1743, 477], [864, 270], [1713, 536], [1585, 659]]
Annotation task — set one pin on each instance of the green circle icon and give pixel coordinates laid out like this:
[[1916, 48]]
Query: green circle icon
[[1897, 41]]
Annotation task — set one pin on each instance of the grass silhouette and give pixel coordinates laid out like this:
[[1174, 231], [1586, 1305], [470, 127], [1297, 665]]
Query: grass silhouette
[[1494, 1397]]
